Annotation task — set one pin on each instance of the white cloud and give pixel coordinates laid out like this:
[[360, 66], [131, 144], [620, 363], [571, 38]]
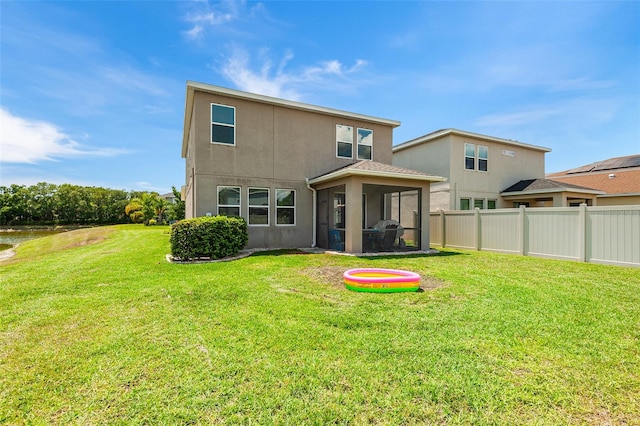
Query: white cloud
[[207, 15], [281, 83], [571, 112], [30, 141]]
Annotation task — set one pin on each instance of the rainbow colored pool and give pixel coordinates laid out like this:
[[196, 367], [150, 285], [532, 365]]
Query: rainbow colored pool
[[376, 280]]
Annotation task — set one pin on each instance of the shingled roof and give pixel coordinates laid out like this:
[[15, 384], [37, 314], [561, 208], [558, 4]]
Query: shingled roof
[[615, 163], [374, 168], [546, 185], [620, 175]]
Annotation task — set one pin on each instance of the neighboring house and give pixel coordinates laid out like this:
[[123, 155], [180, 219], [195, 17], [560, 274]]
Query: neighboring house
[[485, 172], [617, 179], [169, 197], [301, 175]]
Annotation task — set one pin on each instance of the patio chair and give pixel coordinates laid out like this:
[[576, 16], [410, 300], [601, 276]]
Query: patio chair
[[389, 237], [335, 241]]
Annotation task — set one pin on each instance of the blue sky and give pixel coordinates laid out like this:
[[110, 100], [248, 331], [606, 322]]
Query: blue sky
[[92, 93]]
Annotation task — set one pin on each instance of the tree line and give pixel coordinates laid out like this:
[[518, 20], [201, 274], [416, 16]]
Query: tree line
[[65, 204]]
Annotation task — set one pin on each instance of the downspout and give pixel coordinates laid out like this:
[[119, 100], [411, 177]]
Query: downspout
[[314, 215]]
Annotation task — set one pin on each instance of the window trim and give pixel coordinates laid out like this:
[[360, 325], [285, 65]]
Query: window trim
[[495, 204], [483, 159], [239, 205], [250, 206], [217, 123], [475, 202], [467, 156], [294, 207], [338, 141], [358, 144]]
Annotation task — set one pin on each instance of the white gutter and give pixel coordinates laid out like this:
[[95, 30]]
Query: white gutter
[[314, 195], [370, 173]]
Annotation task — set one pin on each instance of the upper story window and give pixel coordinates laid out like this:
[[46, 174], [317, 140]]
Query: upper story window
[[469, 156], [223, 124], [365, 144], [229, 201], [483, 158], [344, 141]]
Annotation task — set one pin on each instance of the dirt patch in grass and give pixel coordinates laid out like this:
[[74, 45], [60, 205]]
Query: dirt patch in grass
[[333, 275]]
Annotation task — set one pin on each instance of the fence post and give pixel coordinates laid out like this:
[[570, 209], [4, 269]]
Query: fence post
[[582, 230], [523, 231], [478, 228], [443, 229]]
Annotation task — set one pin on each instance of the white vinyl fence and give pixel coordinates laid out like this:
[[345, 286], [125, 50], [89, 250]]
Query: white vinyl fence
[[609, 235]]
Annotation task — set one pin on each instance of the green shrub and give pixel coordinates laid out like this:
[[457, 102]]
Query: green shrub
[[151, 222], [137, 216], [208, 237]]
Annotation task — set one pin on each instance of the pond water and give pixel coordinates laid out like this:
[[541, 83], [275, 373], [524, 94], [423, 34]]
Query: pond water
[[9, 239]]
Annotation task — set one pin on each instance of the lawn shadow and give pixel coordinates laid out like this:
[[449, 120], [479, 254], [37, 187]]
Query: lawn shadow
[[391, 255], [279, 252]]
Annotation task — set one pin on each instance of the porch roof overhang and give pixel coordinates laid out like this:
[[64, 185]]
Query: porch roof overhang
[[367, 168], [545, 187]]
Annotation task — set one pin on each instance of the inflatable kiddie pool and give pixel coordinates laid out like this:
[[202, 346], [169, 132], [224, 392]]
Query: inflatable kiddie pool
[[378, 280]]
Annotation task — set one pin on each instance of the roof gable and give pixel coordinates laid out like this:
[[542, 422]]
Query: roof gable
[[438, 134]]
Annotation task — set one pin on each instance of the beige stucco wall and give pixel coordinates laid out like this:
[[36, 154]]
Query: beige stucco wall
[[629, 200], [445, 157], [432, 157], [275, 142], [277, 147], [503, 170]]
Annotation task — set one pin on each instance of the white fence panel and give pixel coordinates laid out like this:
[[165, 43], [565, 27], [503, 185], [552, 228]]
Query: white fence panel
[[553, 232], [614, 235], [500, 230], [460, 229], [609, 235], [435, 229]]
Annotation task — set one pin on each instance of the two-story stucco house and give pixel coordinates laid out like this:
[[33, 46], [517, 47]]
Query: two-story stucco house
[[301, 175], [486, 172]]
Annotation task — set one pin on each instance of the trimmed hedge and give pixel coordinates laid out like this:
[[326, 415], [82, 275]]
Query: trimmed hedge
[[208, 237]]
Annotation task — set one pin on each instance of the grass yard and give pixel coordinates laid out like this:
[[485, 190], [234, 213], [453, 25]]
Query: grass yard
[[97, 328]]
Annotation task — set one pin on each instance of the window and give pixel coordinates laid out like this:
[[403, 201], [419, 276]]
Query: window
[[258, 206], [469, 156], [491, 204], [478, 203], [229, 200], [344, 141], [285, 207], [465, 204], [223, 124], [483, 158], [365, 144]]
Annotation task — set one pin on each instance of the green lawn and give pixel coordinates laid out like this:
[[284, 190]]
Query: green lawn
[[97, 328]]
